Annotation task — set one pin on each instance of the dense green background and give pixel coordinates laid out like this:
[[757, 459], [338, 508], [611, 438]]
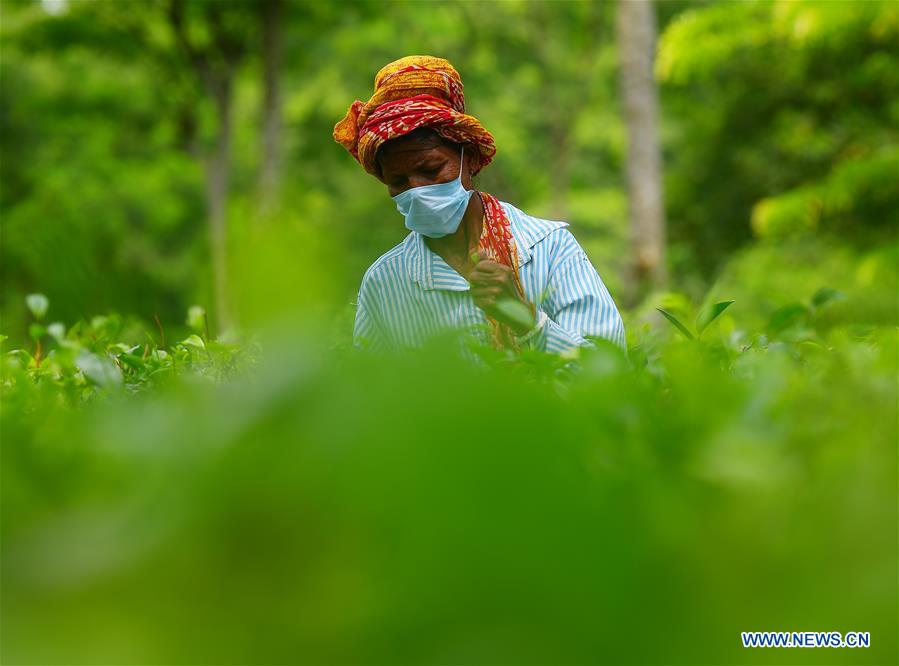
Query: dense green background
[[266, 495], [778, 123]]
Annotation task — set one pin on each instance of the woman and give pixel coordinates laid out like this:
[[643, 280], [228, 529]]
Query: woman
[[469, 259]]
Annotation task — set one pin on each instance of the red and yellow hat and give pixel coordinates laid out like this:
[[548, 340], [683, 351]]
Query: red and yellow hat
[[410, 93]]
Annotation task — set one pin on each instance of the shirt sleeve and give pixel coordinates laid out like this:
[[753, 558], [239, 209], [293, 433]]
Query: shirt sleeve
[[367, 333], [577, 305]]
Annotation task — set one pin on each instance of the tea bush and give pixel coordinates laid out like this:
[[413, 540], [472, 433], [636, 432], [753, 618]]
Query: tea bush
[[316, 505]]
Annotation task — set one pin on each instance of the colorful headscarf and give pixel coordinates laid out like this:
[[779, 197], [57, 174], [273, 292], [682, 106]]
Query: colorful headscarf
[[424, 91], [412, 92]]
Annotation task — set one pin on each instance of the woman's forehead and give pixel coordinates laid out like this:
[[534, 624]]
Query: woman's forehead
[[412, 156], [412, 144]]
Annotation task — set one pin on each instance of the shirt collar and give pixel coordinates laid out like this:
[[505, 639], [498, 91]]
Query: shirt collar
[[430, 271]]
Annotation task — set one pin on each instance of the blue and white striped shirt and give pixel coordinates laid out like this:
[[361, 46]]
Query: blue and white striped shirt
[[411, 293]]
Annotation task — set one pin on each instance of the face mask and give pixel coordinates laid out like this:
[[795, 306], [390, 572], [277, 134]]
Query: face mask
[[434, 210]]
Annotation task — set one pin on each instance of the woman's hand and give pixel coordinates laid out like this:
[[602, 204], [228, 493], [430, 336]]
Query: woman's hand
[[494, 290]]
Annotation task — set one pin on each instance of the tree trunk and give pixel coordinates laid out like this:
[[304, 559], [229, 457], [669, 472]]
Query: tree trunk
[[636, 27], [214, 64], [217, 171], [272, 51]]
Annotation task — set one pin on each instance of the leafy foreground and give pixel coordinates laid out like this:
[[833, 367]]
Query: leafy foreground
[[330, 507]]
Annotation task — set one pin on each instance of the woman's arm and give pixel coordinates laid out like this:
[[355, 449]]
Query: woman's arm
[[367, 330], [578, 305]]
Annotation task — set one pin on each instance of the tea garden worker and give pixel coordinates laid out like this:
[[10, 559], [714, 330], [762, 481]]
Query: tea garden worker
[[469, 259]]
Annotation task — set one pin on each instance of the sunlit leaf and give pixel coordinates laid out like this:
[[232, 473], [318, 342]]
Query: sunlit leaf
[[58, 330], [38, 304], [196, 318], [102, 371], [194, 341]]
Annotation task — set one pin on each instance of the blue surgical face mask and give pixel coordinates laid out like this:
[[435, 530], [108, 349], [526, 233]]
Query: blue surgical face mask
[[435, 210]]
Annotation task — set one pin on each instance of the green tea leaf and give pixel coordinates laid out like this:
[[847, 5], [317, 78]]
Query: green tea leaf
[[787, 317], [824, 296], [36, 331], [516, 312], [708, 315], [194, 341], [132, 361], [101, 371], [677, 324]]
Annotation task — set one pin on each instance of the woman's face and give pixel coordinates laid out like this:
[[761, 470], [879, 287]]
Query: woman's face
[[414, 161]]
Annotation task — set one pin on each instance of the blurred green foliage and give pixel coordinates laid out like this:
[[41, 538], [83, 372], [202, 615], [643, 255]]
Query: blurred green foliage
[[779, 120], [338, 507], [108, 354], [784, 114]]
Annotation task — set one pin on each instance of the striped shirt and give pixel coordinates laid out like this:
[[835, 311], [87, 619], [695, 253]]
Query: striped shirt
[[411, 293]]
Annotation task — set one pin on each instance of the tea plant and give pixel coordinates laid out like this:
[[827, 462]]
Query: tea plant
[[99, 356]]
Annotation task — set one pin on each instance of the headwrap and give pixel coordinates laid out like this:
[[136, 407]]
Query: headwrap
[[424, 91], [412, 92]]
